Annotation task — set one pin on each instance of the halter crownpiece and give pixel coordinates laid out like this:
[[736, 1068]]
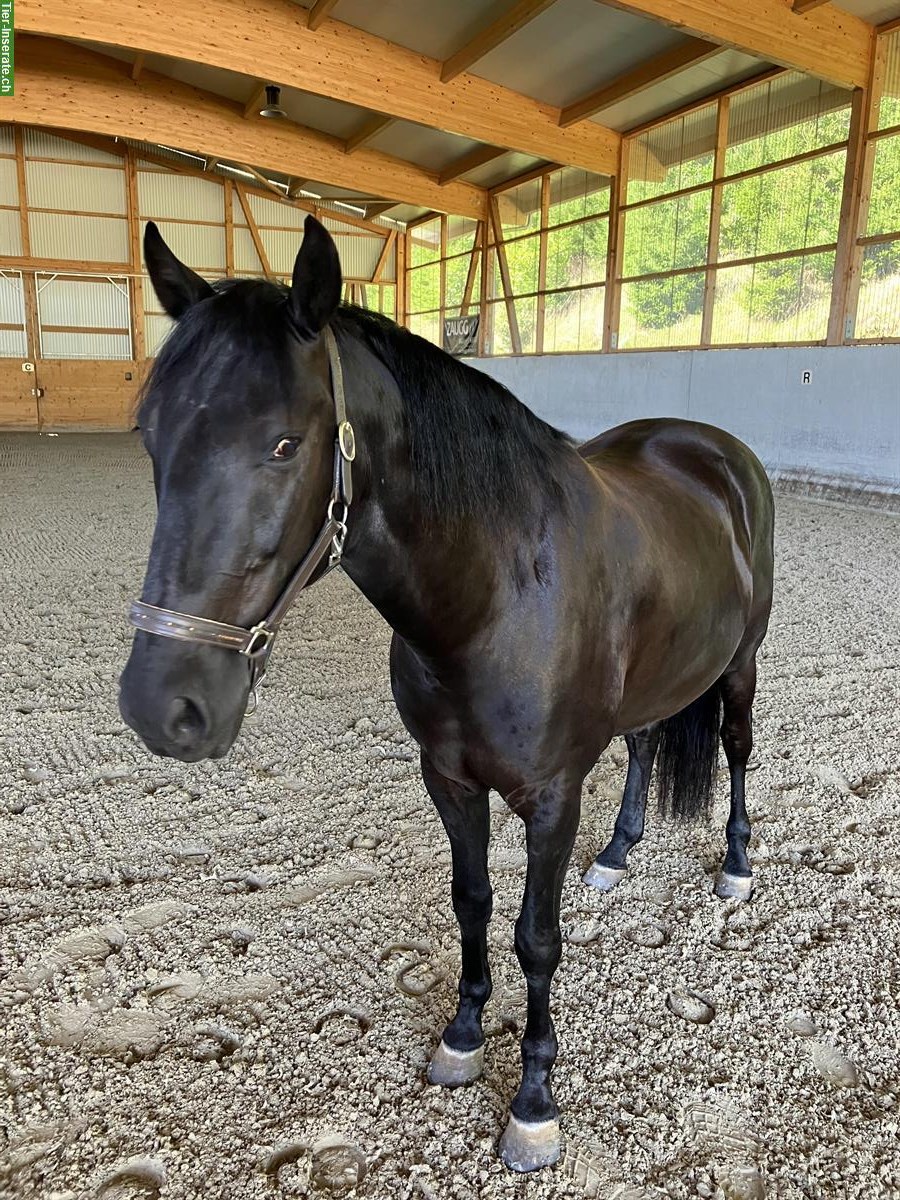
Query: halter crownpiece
[[255, 643]]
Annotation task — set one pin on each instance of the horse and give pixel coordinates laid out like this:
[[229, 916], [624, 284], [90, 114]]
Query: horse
[[544, 597]]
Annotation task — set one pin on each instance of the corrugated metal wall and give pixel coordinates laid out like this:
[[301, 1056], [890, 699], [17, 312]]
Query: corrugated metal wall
[[77, 201], [13, 343]]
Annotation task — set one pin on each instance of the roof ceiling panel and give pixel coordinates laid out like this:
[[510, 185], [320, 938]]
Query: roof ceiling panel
[[428, 148], [436, 29], [874, 11], [704, 79], [573, 48]]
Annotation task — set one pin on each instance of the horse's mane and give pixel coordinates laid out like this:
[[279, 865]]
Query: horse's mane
[[476, 450]]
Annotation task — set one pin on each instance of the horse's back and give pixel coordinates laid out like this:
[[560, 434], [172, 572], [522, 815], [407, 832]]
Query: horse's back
[[667, 457]]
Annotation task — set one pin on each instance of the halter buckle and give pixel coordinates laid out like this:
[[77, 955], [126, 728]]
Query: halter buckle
[[260, 641]]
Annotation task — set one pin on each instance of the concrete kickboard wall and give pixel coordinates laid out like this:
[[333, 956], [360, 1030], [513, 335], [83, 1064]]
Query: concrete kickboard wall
[[841, 429]]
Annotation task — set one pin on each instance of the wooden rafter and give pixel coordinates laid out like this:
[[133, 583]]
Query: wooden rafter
[[319, 12], [469, 162], [655, 70], [266, 184], [251, 108], [505, 278], [492, 35], [377, 210], [137, 67], [386, 251], [336, 60], [804, 6], [73, 88], [254, 230], [368, 130], [829, 44], [296, 187]]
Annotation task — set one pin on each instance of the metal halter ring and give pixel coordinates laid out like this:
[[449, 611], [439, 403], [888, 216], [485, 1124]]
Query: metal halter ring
[[261, 639]]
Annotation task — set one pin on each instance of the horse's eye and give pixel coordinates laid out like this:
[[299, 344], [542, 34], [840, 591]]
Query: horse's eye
[[286, 448]]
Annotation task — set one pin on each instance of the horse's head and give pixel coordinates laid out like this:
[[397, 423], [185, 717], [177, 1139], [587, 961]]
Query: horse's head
[[238, 418]]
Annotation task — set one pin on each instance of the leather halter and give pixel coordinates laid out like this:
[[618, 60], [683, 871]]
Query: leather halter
[[255, 644]]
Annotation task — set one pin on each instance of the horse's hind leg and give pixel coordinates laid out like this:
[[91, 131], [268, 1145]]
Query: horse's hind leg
[[610, 865], [459, 1058], [738, 688]]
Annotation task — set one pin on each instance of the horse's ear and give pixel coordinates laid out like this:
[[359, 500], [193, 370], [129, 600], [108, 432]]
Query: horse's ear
[[177, 286], [316, 284]]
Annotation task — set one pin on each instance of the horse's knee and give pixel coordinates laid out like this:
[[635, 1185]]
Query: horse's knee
[[538, 951], [473, 907]]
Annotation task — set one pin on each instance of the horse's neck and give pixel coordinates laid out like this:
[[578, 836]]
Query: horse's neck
[[431, 581]]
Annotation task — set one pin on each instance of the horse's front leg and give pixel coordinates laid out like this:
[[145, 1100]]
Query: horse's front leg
[[551, 813], [465, 813]]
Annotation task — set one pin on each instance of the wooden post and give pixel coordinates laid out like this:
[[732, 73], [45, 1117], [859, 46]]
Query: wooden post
[[715, 221], [486, 268], [863, 189], [505, 280], [848, 258], [401, 307], [29, 285], [442, 274], [228, 199], [542, 265], [618, 198], [136, 291]]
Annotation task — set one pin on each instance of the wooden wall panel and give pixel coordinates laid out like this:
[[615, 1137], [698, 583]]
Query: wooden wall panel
[[18, 408], [88, 395]]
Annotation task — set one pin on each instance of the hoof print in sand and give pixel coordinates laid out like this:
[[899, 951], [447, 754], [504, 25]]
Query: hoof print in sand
[[337, 1166], [834, 1066], [583, 932], [144, 1177], [343, 1025], [648, 934], [417, 978], [801, 1024], [690, 1006]]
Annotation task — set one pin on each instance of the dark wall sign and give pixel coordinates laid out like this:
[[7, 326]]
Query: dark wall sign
[[461, 335]]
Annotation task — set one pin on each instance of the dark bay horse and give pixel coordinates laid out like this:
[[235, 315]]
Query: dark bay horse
[[544, 597]]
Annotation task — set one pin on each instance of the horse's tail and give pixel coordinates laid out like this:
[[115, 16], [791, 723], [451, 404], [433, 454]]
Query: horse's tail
[[688, 758]]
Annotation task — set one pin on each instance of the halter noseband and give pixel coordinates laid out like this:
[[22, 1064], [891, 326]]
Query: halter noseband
[[255, 644]]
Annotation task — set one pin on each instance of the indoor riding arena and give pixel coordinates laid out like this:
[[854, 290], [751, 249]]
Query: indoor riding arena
[[229, 976]]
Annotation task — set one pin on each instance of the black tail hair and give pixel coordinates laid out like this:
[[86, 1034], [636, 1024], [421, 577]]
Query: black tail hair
[[688, 758]]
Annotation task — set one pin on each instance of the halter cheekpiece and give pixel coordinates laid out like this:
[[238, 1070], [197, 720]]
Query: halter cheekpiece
[[255, 644]]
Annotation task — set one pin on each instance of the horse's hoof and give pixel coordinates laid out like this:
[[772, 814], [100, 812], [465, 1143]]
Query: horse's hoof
[[453, 1068], [528, 1145], [604, 879], [737, 887]]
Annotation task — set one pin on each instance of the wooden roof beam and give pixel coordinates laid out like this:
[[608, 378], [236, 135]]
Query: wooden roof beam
[[801, 7], [68, 86], [337, 61], [368, 130], [251, 108], [492, 35], [469, 162], [648, 74], [319, 12], [828, 44]]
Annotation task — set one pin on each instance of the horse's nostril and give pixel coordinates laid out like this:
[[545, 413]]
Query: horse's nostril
[[186, 721]]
